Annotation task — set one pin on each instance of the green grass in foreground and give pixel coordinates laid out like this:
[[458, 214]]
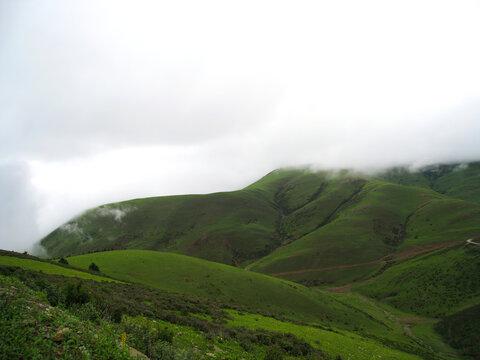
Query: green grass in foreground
[[201, 326], [345, 344], [166, 331], [48, 268], [28, 327]]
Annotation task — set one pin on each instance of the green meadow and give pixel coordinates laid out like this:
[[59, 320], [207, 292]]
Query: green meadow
[[344, 344], [192, 276]]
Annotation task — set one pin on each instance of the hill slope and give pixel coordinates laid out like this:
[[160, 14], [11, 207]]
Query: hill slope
[[192, 276], [225, 227], [163, 325], [313, 227], [380, 222]]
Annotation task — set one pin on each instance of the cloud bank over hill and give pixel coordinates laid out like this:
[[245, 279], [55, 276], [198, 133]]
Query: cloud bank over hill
[[108, 100], [18, 207]]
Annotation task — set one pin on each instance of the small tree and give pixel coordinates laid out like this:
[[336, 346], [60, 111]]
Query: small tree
[[93, 267], [63, 261]]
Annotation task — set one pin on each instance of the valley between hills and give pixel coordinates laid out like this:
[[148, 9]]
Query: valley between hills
[[300, 264]]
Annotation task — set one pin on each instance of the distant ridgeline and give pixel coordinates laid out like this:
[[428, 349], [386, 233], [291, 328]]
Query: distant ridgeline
[[313, 227]]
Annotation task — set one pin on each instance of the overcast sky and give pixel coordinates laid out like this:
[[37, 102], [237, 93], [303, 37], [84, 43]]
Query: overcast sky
[[102, 101]]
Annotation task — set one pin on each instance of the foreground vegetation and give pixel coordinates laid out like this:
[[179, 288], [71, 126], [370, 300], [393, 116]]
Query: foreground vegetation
[[158, 324], [32, 329], [166, 325]]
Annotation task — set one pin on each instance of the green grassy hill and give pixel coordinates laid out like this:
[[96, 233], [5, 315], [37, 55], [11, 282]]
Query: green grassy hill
[[397, 237], [91, 315], [224, 227], [193, 276], [380, 222], [317, 228], [440, 283]]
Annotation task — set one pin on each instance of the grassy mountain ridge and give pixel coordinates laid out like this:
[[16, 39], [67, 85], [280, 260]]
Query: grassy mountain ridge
[[386, 220], [219, 227], [314, 227]]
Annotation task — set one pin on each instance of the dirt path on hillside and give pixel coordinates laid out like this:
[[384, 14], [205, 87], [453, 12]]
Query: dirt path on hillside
[[420, 250], [417, 320], [336, 267], [406, 254]]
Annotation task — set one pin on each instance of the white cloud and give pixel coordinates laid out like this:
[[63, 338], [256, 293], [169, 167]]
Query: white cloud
[[72, 227], [18, 207], [109, 100], [115, 212]]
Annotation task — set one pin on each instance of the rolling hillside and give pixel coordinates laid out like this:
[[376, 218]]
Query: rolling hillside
[[383, 222], [192, 276], [224, 227], [318, 228], [239, 314]]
